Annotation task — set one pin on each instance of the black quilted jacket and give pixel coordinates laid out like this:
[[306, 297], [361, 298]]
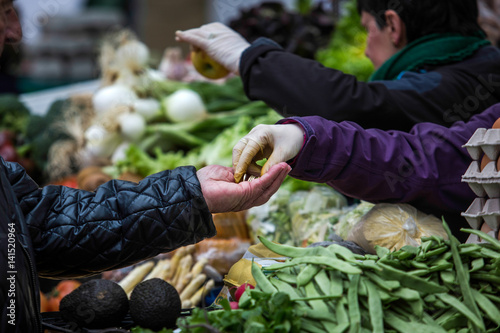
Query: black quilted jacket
[[59, 232]]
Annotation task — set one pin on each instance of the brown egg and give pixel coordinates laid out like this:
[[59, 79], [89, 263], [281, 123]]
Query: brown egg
[[496, 124], [485, 160]]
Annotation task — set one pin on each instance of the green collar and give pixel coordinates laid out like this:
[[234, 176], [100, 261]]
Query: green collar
[[434, 49]]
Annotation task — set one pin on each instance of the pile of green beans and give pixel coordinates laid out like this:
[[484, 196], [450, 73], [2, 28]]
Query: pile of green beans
[[439, 286]]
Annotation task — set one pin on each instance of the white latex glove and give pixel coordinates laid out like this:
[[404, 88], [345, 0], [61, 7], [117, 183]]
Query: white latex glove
[[277, 143], [220, 42]]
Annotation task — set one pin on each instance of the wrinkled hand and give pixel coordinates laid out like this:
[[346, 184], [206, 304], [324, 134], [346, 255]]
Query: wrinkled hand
[[220, 42], [277, 143], [222, 194]]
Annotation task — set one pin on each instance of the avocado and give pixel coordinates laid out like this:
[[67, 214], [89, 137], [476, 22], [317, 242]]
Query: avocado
[[96, 303], [155, 304]]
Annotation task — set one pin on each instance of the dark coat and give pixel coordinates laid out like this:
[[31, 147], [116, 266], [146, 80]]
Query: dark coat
[[295, 86], [60, 232]]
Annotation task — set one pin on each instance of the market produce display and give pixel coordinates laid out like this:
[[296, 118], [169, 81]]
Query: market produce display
[[330, 270], [439, 286]]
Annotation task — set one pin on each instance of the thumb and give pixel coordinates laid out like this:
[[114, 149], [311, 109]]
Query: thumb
[[274, 159]]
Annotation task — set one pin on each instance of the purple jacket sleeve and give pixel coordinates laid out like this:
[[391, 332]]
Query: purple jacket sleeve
[[423, 167]]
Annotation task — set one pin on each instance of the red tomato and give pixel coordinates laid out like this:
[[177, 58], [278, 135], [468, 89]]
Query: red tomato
[[69, 181], [62, 289]]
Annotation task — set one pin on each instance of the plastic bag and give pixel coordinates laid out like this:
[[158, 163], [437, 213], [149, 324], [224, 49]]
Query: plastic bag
[[394, 226]]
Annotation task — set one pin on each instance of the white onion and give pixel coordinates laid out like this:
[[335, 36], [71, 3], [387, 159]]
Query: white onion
[[132, 53], [132, 126], [120, 152], [112, 96], [147, 107], [184, 105], [101, 143]]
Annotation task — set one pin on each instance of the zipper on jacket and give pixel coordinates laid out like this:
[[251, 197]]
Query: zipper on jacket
[[33, 280]]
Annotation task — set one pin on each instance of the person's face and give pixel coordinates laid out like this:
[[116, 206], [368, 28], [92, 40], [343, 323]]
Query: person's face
[[10, 27], [379, 41]]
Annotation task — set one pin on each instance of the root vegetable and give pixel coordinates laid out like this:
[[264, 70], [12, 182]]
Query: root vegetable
[[202, 292], [135, 276], [193, 286]]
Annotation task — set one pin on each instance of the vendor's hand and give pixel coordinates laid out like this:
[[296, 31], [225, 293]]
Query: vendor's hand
[[220, 42], [277, 143], [222, 194]]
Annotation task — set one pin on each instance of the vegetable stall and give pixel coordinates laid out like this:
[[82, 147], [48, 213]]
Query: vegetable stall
[[302, 262]]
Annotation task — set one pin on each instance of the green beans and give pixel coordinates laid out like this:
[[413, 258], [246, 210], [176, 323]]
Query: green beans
[[463, 309], [440, 286], [333, 263], [487, 306], [411, 281]]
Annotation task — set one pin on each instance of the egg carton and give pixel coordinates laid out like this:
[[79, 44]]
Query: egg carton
[[484, 141], [483, 210], [484, 182]]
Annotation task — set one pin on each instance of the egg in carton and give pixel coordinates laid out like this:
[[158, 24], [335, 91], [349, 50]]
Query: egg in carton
[[484, 180]]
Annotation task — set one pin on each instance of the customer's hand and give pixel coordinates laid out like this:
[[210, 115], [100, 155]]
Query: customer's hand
[[277, 143], [220, 42], [222, 194]]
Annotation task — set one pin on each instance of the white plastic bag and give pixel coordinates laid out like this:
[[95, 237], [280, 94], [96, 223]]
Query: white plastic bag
[[394, 226]]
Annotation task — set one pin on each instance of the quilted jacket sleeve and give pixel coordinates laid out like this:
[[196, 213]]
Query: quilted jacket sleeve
[[79, 233]]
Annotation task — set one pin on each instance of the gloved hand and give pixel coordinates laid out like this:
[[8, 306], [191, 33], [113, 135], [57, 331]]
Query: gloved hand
[[222, 194], [220, 42], [277, 143]]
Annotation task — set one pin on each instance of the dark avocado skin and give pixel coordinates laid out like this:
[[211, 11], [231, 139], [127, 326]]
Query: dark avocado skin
[[95, 304], [155, 304]]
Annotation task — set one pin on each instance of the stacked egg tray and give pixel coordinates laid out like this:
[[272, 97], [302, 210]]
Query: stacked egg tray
[[484, 146]]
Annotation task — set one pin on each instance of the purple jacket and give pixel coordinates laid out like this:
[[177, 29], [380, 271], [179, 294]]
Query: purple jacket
[[423, 167]]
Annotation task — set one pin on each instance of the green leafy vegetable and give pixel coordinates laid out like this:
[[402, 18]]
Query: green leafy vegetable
[[347, 46]]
